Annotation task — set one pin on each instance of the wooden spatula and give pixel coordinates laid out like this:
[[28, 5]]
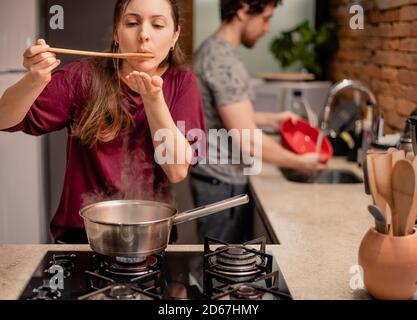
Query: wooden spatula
[[378, 199], [395, 156], [403, 190], [412, 216], [382, 170]]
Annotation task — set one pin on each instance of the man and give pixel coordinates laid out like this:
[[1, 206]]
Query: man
[[227, 94]]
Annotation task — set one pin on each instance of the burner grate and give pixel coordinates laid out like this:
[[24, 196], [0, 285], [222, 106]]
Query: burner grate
[[235, 264], [252, 291], [240, 272], [134, 289]]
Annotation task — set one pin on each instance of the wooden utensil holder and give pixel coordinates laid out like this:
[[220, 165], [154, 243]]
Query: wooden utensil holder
[[389, 265]]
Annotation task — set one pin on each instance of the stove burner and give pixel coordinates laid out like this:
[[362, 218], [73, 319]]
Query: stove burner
[[129, 266], [235, 255], [63, 261], [131, 290], [130, 259], [265, 287], [122, 292], [45, 292], [247, 292], [116, 292], [237, 262]]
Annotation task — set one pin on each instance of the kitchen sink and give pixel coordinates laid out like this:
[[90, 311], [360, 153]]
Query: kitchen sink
[[325, 177]]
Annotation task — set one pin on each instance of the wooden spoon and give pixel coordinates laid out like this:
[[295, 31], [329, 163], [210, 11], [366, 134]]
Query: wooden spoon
[[403, 190], [140, 56]]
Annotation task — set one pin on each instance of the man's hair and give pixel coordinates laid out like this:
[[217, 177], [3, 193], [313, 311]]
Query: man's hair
[[229, 8]]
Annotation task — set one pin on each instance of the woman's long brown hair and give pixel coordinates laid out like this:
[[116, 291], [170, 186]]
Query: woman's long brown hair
[[105, 116]]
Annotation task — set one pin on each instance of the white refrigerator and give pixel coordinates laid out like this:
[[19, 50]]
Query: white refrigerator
[[23, 197]]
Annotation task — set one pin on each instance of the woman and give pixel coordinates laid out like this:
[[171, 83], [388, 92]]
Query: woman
[[112, 110]]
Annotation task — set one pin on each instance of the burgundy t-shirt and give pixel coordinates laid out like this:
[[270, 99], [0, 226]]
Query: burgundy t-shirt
[[120, 169]]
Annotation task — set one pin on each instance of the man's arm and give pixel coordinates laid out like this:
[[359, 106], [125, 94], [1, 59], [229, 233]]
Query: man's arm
[[273, 120], [241, 116]]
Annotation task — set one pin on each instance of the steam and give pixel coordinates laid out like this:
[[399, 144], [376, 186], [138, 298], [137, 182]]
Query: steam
[[140, 179]]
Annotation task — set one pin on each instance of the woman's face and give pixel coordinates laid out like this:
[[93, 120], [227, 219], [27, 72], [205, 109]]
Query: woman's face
[[147, 26]]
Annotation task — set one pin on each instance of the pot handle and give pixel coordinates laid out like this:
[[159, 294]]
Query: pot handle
[[210, 209]]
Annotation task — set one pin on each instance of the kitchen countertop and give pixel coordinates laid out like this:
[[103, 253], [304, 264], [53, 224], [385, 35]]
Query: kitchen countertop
[[319, 228]]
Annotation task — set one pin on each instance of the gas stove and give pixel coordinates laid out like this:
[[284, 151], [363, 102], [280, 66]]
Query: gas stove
[[228, 272]]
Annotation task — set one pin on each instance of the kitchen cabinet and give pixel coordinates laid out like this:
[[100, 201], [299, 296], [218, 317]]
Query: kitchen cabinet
[[260, 226], [23, 216]]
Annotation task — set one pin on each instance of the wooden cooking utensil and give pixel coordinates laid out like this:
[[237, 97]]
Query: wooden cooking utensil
[[397, 155], [377, 197], [140, 56], [412, 216], [403, 191], [382, 171], [409, 156]]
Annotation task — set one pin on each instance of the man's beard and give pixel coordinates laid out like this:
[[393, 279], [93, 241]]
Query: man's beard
[[248, 43]]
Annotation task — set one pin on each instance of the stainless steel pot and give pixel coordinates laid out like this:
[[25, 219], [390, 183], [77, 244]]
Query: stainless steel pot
[[136, 228]]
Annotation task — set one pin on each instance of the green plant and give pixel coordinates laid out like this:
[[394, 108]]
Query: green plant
[[308, 46]]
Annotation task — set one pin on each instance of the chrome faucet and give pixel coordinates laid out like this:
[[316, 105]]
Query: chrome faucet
[[358, 85]]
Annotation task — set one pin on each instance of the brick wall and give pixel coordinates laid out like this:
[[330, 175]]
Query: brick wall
[[383, 54]]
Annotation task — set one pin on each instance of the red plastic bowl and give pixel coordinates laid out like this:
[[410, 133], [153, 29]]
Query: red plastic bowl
[[301, 138]]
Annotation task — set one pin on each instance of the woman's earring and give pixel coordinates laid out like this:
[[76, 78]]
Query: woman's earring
[[172, 49], [116, 45]]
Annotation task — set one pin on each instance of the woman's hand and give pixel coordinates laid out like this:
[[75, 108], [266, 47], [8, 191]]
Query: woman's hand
[[39, 62], [150, 88]]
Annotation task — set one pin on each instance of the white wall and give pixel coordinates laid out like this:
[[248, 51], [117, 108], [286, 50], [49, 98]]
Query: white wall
[[258, 59], [23, 216]]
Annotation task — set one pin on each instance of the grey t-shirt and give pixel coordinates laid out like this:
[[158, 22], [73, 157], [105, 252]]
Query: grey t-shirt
[[224, 80]]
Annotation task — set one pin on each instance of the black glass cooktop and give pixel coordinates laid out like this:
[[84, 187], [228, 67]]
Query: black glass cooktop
[[228, 273]]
